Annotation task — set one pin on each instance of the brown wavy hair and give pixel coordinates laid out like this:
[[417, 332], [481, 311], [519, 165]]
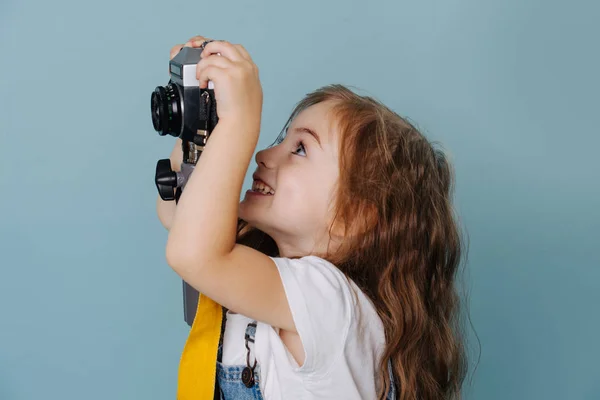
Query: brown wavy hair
[[402, 245]]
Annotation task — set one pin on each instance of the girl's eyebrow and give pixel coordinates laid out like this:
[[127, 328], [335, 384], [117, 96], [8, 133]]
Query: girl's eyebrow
[[310, 131]]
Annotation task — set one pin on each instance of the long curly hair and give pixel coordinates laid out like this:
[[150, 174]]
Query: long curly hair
[[402, 245]]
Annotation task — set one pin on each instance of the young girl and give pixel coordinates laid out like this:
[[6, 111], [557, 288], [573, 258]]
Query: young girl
[[337, 270]]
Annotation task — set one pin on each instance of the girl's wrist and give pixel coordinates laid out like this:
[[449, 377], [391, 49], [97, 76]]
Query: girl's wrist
[[240, 126]]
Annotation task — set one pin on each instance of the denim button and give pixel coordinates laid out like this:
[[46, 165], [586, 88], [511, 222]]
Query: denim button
[[248, 377]]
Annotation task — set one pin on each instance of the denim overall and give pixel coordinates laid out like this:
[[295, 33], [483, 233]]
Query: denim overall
[[241, 382]]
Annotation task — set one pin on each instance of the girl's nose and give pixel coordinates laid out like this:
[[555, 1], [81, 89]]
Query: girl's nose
[[266, 157]]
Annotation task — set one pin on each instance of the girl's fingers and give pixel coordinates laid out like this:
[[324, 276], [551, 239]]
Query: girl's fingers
[[243, 52], [196, 41], [225, 48], [232, 52], [214, 60], [175, 49], [218, 62], [209, 73]]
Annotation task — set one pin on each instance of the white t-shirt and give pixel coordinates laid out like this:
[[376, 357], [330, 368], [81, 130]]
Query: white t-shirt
[[342, 353]]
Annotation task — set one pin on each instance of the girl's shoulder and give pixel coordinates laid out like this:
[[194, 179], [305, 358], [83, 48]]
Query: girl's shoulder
[[318, 274], [330, 312]]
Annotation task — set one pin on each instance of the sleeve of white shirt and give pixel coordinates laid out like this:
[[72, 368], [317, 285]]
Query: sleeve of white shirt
[[320, 300]]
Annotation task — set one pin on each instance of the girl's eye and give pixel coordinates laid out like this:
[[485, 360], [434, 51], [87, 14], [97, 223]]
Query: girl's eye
[[300, 145]]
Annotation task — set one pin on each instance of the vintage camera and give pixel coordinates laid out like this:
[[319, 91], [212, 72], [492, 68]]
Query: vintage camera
[[184, 110]]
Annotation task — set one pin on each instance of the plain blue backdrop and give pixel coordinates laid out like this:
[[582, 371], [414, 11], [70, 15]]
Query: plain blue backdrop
[[89, 309]]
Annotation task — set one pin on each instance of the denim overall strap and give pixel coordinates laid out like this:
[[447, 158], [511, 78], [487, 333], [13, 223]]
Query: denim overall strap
[[224, 321], [217, 393], [240, 382], [392, 392]]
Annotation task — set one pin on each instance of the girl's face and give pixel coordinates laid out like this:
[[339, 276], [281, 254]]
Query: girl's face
[[303, 171]]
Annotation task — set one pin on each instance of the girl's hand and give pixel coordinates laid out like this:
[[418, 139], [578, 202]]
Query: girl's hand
[[238, 91], [196, 41]]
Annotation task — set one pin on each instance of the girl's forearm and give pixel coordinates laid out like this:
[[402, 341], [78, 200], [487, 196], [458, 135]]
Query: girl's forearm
[[205, 222]]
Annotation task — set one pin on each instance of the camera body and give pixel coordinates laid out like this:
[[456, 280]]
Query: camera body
[[182, 109]]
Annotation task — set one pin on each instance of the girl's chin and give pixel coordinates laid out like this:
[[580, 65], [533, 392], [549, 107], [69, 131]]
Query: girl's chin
[[248, 212]]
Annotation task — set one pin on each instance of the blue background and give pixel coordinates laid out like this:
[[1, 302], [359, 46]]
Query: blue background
[[90, 309]]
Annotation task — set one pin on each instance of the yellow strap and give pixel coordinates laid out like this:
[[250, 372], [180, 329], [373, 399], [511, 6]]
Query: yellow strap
[[197, 367]]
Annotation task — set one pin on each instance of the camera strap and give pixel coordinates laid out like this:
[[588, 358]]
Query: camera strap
[[209, 113], [204, 128]]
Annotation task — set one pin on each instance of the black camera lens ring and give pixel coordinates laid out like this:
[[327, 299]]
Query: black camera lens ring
[[166, 110], [158, 104]]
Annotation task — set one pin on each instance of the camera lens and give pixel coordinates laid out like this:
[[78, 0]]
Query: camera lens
[[166, 110]]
